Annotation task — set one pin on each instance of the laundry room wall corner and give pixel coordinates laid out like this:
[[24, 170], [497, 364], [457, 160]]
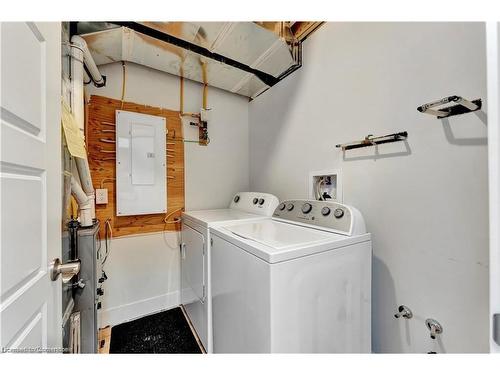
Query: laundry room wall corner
[[425, 200]]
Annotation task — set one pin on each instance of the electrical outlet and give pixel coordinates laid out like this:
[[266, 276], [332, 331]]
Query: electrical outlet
[[101, 196]]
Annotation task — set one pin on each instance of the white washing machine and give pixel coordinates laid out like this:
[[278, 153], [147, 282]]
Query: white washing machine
[[195, 253], [299, 282]]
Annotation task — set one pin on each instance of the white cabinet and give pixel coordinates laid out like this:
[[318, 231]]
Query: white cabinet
[[140, 164]]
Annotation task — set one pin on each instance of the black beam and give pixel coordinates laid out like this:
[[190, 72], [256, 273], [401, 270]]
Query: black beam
[[73, 28], [268, 79]]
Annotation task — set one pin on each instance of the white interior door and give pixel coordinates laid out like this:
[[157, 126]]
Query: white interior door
[[30, 182]]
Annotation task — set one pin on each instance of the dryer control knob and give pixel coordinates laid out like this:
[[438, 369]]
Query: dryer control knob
[[325, 211], [306, 208], [338, 213], [281, 206], [261, 201], [255, 200], [289, 206], [236, 198]]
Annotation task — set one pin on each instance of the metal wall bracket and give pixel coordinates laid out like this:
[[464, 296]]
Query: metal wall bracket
[[460, 107], [370, 140]]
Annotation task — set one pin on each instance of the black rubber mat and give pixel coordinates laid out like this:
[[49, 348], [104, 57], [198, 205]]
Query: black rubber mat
[[164, 332]]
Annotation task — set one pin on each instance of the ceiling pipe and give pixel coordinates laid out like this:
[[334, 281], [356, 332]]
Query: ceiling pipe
[[78, 43]]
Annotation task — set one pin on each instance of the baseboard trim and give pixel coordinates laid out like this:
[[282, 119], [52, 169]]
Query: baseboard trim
[[130, 311]]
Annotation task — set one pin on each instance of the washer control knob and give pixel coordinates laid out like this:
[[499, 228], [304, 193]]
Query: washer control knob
[[306, 208], [261, 201], [338, 213], [255, 200], [289, 206], [236, 198], [325, 211], [281, 206]]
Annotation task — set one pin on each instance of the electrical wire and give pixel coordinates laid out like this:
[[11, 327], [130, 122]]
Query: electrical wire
[[100, 242], [110, 179], [176, 220], [107, 140], [181, 99], [108, 233], [124, 77], [107, 151]]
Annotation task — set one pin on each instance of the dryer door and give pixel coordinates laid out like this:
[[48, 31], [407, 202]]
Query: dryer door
[[192, 265]]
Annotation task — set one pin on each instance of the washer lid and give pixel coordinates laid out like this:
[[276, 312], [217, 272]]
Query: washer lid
[[208, 218], [278, 235], [275, 241]]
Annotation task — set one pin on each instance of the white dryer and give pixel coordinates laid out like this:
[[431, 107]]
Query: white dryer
[[195, 253], [299, 282]]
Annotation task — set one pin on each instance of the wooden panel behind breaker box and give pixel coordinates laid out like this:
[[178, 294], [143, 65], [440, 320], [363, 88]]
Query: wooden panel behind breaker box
[[101, 116]]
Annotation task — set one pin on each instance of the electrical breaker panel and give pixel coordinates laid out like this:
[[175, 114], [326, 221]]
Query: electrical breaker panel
[[140, 164]]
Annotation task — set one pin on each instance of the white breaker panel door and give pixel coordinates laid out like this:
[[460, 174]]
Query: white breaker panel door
[[141, 184], [30, 312]]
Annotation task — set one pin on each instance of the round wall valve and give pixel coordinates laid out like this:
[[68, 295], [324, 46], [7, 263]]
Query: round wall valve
[[403, 312], [435, 327]]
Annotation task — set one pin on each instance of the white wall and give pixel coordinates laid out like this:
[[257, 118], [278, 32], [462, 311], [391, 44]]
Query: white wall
[[425, 202], [493, 50], [144, 271], [143, 276]]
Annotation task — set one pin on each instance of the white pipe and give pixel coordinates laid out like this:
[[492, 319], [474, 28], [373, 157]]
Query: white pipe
[[80, 55], [84, 203], [77, 86], [86, 180], [81, 45]]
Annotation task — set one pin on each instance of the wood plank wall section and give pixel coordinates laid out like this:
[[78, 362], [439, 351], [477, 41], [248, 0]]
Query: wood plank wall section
[[101, 116]]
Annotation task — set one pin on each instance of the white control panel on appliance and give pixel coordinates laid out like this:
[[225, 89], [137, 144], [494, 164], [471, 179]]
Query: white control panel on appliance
[[255, 203], [324, 215]]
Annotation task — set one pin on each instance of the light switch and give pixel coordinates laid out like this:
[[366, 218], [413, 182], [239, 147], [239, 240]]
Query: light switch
[[101, 196]]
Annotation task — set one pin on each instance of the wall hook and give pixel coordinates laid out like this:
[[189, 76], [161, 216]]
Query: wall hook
[[403, 312], [435, 327]]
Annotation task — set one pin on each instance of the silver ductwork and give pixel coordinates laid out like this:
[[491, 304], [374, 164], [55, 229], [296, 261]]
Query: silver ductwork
[[240, 57]]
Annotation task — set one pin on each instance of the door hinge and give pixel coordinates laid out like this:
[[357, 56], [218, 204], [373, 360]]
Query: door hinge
[[211, 242]]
